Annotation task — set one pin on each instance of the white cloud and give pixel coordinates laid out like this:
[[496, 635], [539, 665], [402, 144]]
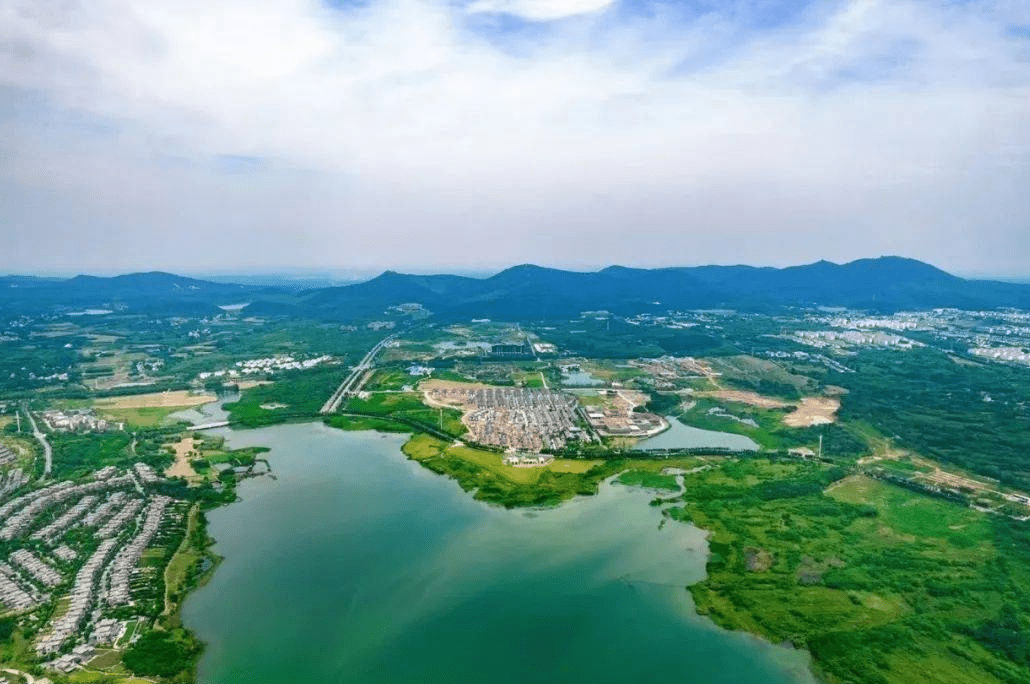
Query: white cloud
[[539, 10], [419, 134]]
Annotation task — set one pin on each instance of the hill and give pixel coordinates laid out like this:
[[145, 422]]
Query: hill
[[534, 292], [154, 292]]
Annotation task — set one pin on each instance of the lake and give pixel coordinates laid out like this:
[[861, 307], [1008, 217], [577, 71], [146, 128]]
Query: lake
[[580, 378], [682, 436], [358, 565]]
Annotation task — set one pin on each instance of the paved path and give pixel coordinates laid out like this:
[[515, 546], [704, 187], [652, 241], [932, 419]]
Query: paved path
[[28, 678]]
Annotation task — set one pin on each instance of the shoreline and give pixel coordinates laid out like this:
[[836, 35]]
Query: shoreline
[[689, 589]]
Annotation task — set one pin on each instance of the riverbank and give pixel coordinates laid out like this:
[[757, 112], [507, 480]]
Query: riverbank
[[365, 553], [797, 554]]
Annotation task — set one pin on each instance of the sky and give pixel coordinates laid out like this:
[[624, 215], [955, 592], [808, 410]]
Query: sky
[[433, 135]]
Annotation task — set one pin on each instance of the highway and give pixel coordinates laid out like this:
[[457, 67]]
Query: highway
[[353, 383], [48, 453]]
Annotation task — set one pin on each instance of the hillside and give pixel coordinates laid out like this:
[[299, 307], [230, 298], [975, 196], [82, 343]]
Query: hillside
[[523, 292], [153, 292], [534, 292]]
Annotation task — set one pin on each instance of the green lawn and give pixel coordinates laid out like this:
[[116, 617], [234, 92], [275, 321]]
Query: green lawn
[[878, 582]]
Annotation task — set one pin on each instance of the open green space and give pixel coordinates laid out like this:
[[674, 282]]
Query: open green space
[[976, 417], [389, 379], [409, 407], [840, 441], [876, 581], [484, 473], [298, 394]]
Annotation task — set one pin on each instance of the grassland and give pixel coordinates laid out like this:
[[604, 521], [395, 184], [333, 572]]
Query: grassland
[[882, 585], [180, 574], [839, 440], [389, 379], [301, 393], [350, 422], [484, 473], [408, 406]]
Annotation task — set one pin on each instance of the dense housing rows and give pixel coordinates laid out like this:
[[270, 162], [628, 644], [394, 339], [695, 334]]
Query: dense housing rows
[[124, 518]]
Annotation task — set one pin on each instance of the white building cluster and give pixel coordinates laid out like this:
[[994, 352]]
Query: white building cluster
[[12, 595], [517, 419], [127, 558], [39, 570], [58, 526], [104, 510], [36, 502], [14, 479], [107, 631], [107, 505], [83, 420], [1005, 354], [854, 338], [64, 553], [265, 366], [80, 601], [145, 472], [128, 511]]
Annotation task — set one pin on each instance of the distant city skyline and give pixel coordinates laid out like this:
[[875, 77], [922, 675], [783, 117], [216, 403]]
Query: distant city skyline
[[438, 136]]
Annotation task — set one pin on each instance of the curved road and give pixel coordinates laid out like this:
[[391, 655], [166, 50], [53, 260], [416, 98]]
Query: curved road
[[48, 453]]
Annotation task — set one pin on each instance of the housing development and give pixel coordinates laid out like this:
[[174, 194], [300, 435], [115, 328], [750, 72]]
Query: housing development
[[78, 546], [806, 444]]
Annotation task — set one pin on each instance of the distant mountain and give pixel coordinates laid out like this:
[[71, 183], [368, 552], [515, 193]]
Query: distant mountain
[[534, 292], [154, 292]]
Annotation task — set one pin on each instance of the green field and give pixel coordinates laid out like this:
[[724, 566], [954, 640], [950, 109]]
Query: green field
[[876, 581], [483, 472], [344, 422], [408, 406], [139, 417], [389, 379]]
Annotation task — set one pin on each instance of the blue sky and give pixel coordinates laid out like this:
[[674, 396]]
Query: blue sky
[[441, 134]]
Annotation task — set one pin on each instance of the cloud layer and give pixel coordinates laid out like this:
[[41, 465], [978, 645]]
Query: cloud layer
[[430, 134]]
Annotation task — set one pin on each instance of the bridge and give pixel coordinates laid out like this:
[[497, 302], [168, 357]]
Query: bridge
[[210, 426], [353, 383]]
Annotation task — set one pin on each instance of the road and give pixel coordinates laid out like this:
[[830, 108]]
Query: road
[[18, 673], [48, 453], [353, 383]]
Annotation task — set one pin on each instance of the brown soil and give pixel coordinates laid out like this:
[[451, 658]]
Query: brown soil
[[814, 411]]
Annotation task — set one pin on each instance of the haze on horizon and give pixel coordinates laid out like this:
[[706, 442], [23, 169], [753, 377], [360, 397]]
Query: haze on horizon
[[442, 135]]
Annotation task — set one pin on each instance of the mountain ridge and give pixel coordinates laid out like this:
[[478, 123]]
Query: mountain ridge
[[529, 291]]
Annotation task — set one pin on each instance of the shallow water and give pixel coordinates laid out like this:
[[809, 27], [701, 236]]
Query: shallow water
[[681, 436], [357, 565]]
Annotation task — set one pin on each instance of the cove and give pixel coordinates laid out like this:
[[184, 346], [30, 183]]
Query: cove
[[358, 565], [683, 436]]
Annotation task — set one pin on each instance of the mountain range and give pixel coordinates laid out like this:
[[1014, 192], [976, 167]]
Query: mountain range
[[532, 292]]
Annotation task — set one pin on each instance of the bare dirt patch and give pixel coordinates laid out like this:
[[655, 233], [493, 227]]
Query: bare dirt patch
[[248, 384], [182, 467], [749, 398], [758, 560], [435, 393], [814, 411], [175, 399]]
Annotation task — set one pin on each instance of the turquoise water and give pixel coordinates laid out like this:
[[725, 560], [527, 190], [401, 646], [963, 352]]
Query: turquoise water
[[681, 436], [580, 378], [357, 565], [206, 413]]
